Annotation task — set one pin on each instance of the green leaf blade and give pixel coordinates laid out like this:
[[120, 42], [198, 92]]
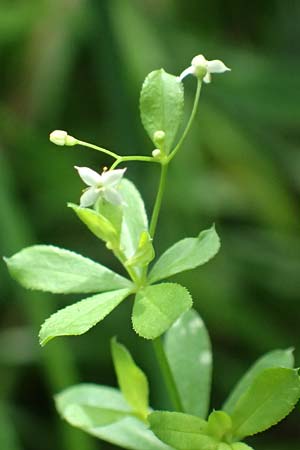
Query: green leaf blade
[[275, 358], [182, 431], [186, 254], [52, 269], [188, 350], [132, 380], [103, 412], [157, 307], [269, 399], [161, 105], [78, 318]]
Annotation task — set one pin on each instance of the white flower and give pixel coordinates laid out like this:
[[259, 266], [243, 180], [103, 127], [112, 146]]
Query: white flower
[[60, 137], [103, 185], [202, 68]]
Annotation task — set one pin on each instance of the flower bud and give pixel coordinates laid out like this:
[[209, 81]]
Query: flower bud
[[156, 153], [159, 137], [60, 137]]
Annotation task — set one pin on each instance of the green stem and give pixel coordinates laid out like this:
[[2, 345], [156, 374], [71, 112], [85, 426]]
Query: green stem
[[189, 124], [158, 201], [99, 149], [167, 374], [121, 159]]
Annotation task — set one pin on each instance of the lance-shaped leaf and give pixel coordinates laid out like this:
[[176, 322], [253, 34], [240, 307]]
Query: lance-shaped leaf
[[161, 105], [186, 254], [99, 225], [81, 316], [275, 358], [188, 349], [104, 413], [132, 380], [269, 399], [219, 425], [135, 220], [182, 431], [52, 269], [157, 307], [144, 253]]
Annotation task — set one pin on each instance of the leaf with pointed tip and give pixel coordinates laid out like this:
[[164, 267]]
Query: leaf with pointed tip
[[275, 358], [269, 399], [135, 220], [186, 254], [219, 424], [188, 350], [157, 307], [104, 413], [132, 380], [161, 105], [182, 431], [52, 269], [78, 318], [99, 225]]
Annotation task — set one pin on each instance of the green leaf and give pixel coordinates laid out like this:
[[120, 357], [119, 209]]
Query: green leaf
[[144, 253], [104, 413], [188, 349], [99, 225], [135, 220], [219, 425], [81, 316], [223, 446], [269, 399], [132, 380], [157, 307], [186, 254], [276, 358], [240, 446], [161, 105], [52, 269], [182, 431]]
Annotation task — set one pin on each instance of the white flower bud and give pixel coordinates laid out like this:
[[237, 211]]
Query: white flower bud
[[159, 137], [60, 137], [156, 153]]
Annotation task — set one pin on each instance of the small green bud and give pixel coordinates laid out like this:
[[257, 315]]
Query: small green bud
[[60, 137], [109, 245], [159, 137]]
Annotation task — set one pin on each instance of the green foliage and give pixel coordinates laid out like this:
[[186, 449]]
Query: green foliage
[[99, 225], [81, 316], [131, 379], [157, 307], [104, 413], [181, 431], [276, 358], [186, 254], [188, 349], [219, 425], [52, 269], [269, 399], [144, 253], [161, 105]]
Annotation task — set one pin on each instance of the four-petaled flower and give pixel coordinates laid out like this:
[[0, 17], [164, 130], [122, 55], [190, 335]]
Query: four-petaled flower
[[202, 68], [104, 185]]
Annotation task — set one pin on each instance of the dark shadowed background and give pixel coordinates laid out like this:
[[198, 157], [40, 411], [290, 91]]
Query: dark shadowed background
[[78, 65]]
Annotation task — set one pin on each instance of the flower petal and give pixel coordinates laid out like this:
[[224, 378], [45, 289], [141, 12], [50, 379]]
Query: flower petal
[[112, 177], [207, 78], [216, 66], [112, 196], [186, 72], [89, 197], [89, 176]]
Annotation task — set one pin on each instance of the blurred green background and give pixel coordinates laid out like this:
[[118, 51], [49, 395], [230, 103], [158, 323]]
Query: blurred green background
[[78, 65]]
